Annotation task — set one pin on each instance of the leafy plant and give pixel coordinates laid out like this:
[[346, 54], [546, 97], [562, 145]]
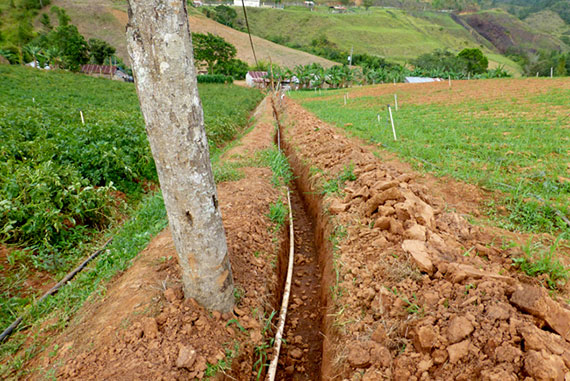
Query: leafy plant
[[277, 214], [335, 184], [260, 351], [537, 260], [277, 161]]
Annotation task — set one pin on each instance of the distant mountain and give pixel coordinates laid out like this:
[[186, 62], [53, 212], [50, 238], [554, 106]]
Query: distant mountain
[[524, 8]]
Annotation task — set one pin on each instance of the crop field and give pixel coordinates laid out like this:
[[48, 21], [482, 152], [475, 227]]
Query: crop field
[[507, 135], [65, 186]]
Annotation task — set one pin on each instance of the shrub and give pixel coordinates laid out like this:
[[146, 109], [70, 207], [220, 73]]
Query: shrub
[[214, 78]]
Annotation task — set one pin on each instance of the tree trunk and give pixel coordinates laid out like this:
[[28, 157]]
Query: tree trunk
[[160, 47]]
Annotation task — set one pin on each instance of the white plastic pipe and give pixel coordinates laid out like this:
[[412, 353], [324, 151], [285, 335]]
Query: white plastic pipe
[[287, 291], [285, 302], [396, 101]]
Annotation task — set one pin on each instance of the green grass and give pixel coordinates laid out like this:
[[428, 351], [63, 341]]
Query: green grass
[[277, 214], [391, 33], [520, 142], [335, 184], [538, 259]]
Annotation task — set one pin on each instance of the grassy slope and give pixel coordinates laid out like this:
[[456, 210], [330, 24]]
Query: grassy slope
[[107, 19], [485, 132], [391, 33], [505, 30], [547, 22]]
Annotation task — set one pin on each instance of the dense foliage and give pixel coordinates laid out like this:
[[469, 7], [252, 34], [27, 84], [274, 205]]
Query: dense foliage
[[214, 78], [223, 14], [59, 178], [217, 55], [61, 46], [467, 63], [373, 70], [540, 63]]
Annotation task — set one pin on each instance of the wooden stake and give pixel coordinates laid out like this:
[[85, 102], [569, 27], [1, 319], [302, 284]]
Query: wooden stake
[[396, 101], [449, 81], [392, 121]]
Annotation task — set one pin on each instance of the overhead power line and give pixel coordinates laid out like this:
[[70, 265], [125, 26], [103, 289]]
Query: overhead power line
[[248, 31]]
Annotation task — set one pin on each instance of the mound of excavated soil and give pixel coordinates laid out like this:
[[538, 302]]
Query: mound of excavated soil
[[421, 293]]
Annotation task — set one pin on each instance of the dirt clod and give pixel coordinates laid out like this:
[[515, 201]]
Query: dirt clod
[[186, 357], [150, 328], [358, 356], [458, 351], [544, 367], [459, 328]]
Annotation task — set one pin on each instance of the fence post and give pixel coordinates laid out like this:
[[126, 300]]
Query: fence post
[[392, 121]]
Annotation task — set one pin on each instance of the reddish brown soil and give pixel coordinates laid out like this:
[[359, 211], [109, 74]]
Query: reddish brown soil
[[35, 283], [425, 295], [301, 355], [440, 93]]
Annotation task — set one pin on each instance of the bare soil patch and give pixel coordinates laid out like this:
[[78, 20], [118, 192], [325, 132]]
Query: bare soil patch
[[461, 90], [302, 353]]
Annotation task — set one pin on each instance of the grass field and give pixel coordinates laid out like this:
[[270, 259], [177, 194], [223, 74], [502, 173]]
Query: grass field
[[392, 33], [509, 135], [62, 182]]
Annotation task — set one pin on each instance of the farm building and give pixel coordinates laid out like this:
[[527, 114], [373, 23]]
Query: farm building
[[255, 78], [107, 71], [422, 80], [247, 3], [259, 79]]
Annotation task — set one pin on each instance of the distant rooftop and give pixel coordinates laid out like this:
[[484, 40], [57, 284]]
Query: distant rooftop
[[422, 79]]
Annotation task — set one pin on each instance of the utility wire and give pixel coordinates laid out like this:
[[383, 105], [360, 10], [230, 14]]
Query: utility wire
[[248, 31]]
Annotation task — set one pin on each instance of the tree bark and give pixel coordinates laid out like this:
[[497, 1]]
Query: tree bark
[[160, 47]]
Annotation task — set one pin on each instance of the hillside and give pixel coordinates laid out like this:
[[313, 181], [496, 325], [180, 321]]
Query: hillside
[[106, 19], [395, 34], [507, 32]]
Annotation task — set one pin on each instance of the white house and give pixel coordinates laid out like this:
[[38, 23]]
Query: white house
[[256, 78], [247, 3]]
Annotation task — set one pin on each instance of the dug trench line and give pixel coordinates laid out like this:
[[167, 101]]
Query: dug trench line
[[301, 357], [306, 353]]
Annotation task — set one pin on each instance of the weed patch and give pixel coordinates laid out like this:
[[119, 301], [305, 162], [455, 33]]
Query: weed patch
[[538, 260]]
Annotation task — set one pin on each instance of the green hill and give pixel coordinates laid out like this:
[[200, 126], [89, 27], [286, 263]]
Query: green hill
[[392, 33], [507, 32]]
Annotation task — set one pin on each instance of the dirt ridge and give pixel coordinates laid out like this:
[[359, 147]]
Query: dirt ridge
[[424, 294]]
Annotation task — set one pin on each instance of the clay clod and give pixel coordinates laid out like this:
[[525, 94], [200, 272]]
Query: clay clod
[[535, 301], [418, 250]]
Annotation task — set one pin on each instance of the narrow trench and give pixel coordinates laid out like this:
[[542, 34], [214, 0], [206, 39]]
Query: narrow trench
[[301, 356]]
